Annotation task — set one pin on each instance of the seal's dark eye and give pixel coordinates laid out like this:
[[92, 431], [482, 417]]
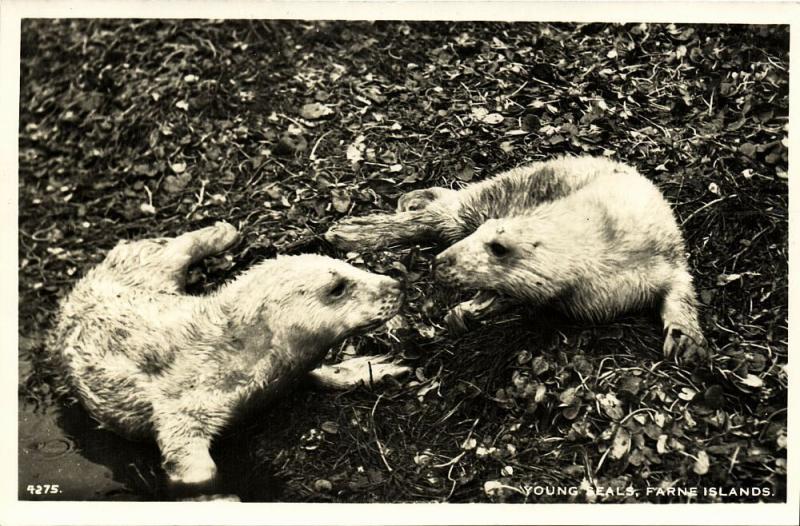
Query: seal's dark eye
[[338, 289], [498, 249]]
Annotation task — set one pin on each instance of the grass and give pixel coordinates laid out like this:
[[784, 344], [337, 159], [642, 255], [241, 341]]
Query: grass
[[144, 128]]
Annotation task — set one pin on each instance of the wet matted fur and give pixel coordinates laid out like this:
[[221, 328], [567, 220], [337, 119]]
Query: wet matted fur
[[147, 360]]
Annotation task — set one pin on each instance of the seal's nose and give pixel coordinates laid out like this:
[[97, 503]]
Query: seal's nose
[[391, 287]]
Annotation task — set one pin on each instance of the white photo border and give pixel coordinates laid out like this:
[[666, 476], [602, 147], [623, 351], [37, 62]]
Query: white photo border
[[15, 512]]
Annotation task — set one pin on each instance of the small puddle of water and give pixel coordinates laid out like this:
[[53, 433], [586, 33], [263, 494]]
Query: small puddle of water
[[63, 456]]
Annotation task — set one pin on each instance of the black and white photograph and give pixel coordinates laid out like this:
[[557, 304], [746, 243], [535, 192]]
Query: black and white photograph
[[315, 260]]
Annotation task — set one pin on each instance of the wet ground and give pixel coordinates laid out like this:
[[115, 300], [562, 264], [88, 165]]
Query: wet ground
[[89, 465], [64, 455]]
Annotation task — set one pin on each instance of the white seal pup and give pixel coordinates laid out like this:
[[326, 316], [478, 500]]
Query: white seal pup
[[147, 360], [588, 235]]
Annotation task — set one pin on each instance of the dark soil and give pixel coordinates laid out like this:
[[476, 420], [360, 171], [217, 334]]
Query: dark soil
[[135, 129]]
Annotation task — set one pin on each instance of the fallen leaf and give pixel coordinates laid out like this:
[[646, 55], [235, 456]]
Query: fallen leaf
[[611, 405], [315, 110], [466, 173], [661, 445], [355, 152], [541, 390], [567, 396], [571, 412], [752, 380], [539, 365], [507, 146], [217, 199], [479, 113], [295, 129], [330, 427], [493, 118], [483, 451], [341, 201], [701, 465], [146, 170], [147, 208], [621, 444], [781, 440], [493, 488], [630, 385], [483, 115], [724, 279], [690, 421], [176, 183], [749, 149], [323, 486]]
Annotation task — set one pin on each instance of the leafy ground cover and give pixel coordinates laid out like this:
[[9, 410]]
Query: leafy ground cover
[[145, 128]]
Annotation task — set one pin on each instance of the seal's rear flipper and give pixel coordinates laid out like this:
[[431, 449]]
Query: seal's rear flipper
[[420, 199], [193, 246], [682, 333]]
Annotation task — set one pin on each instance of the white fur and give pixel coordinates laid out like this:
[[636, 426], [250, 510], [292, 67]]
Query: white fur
[[147, 360]]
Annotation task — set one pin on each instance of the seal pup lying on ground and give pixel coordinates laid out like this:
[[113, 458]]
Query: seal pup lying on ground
[[147, 360], [588, 235]]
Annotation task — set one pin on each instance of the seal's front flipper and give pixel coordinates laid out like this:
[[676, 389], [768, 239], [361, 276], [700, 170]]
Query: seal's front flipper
[[381, 230], [482, 305], [368, 370]]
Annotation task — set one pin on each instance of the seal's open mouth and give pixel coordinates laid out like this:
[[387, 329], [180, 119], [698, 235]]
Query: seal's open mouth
[[372, 325]]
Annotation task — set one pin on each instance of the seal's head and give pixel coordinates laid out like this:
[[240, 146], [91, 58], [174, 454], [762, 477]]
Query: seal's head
[[317, 300], [518, 256]]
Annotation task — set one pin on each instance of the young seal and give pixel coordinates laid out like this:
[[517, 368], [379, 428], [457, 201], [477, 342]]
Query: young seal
[[588, 235], [147, 360]]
